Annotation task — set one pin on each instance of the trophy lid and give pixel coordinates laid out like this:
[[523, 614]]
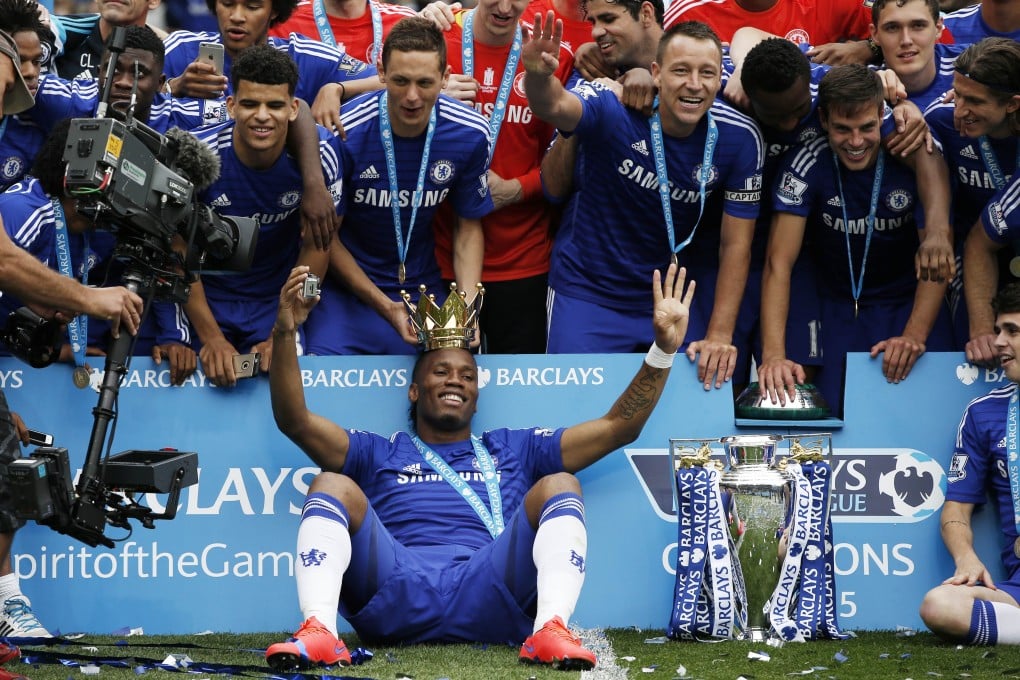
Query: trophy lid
[[807, 404]]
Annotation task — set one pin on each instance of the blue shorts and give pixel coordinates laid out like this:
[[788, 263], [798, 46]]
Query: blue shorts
[[580, 327], [342, 324], [244, 323], [803, 322], [398, 595], [842, 333], [1010, 587]]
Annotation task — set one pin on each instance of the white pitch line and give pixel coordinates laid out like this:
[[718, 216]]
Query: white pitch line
[[605, 669]]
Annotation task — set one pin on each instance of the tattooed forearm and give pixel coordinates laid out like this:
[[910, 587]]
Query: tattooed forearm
[[641, 395]]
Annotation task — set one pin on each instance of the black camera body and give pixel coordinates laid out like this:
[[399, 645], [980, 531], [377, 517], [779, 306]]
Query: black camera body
[[124, 175], [31, 338], [139, 185]]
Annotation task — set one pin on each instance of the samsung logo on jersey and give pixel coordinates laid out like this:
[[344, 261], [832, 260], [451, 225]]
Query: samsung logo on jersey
[[273, 218], [976, 178], [355, 377], [646, 179], [544, 377], [380, 198], [860, 226], [404, 478], [515, 113]]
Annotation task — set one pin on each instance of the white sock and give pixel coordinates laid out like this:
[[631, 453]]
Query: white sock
[[1007, 621], [10, 587], [323, 555], [559, 551]]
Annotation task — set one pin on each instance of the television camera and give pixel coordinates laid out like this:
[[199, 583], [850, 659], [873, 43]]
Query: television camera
[[141, 186]]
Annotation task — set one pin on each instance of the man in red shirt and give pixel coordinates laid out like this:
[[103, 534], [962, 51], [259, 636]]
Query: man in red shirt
[[357, 27], [484, 46], [823, 24], [576, 27]]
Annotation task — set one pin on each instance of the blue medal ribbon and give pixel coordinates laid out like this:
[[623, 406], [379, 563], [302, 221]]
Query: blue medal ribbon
[[1013, 454], [691, 484], [992, 163], [493, 520], [386, 134], [326, 31], [811, 591], [831, 622], [505, 85], [722, 584], [706, 596], [784, 596], [77, 328], [704, 174], [857, 284], [803, 605]]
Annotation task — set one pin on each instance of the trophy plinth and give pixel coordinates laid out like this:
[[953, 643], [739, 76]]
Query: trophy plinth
[[807, 404]]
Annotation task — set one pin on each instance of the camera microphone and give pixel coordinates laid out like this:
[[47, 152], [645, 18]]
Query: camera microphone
[[196, 161]]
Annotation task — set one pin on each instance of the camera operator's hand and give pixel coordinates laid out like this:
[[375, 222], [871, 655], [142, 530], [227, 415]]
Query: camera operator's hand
[[217, 359], [199, 80], [116, 304], [183, 360]]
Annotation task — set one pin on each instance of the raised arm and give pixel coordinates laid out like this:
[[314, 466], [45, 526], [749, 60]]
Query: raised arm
[[324, 441], [588, 442], [548, 99]]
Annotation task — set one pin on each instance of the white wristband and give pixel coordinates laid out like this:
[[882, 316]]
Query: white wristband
[[656, 358]]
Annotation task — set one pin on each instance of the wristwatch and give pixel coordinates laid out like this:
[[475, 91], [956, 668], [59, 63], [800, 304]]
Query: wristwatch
[[876, 51]]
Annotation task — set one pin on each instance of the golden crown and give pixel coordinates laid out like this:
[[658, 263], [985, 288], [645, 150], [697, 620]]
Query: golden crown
[[452, 325]]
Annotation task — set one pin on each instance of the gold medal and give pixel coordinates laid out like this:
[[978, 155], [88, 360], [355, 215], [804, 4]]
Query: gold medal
[[1016, 548], [1014, 266], [80, 377], [401, 273]]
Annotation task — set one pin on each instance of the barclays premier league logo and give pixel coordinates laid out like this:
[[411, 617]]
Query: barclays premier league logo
[[915, 486], [874, 486], [967, 373]]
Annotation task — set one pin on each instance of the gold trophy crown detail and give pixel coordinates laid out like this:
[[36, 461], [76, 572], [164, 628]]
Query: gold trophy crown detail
[[454, 325]]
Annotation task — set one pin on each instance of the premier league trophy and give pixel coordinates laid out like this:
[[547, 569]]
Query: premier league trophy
[[756, 492], [779, 541]]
